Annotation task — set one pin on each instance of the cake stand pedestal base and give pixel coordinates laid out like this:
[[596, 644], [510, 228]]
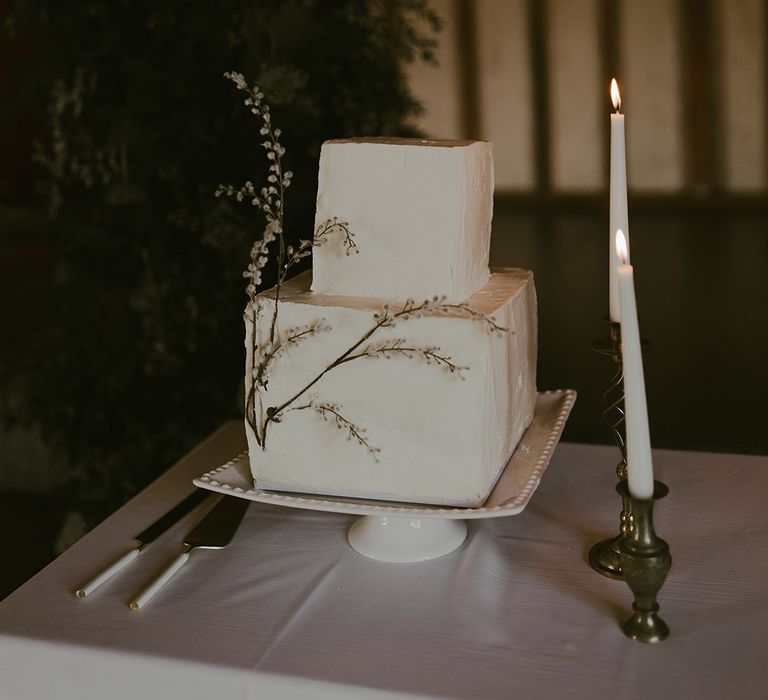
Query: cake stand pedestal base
[[405, 540]]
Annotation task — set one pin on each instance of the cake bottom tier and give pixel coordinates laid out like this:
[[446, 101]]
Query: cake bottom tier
[[391, 421]]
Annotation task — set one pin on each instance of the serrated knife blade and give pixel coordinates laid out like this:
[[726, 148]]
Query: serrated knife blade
[[175, 514]]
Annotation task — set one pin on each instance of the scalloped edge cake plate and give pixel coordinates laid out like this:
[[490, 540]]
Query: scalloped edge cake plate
[[512, 492]]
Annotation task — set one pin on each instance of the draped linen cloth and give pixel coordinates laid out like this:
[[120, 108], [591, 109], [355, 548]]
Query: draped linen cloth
[[289, 610]]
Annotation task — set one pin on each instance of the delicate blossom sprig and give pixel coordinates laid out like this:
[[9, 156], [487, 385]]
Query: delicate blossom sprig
[[322, 232], [334, 225], [271, 351], [399, 347], [437, 306], [270, 199], [331, 412], [294, 255]]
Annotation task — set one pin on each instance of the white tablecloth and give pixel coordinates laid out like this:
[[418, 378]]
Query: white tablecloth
[[290, 611]]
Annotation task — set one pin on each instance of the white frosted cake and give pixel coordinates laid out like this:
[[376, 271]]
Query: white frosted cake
[[429, 406]]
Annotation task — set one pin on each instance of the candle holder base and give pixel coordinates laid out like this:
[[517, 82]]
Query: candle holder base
[[645, 561], [605, 558]]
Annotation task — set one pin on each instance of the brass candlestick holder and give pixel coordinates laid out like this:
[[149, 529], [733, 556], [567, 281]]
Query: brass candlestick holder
[[645, 562], [604, 557]]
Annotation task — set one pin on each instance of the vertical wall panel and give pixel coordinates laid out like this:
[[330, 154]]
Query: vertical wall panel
[[439, 88], [650, 53], [742, 92], [652, 94], [504, 89], [577, 116]]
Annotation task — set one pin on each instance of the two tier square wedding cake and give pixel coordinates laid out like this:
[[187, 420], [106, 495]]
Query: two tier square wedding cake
[[400, 367]]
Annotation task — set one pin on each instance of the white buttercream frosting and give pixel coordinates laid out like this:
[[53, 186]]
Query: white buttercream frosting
[[443, 439], [420, 212]]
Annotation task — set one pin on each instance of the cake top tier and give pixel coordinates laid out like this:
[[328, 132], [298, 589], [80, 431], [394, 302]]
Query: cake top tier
[[420, 212]]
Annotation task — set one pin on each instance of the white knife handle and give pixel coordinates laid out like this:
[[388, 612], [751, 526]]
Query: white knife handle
[[146, 595], [109, 572]]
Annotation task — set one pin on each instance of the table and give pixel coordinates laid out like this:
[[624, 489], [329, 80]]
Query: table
[[290, 611]]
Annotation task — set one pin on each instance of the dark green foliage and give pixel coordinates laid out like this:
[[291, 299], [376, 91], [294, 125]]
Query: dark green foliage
[[136, 351]]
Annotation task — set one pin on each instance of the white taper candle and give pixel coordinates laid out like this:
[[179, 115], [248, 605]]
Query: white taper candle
[[618, 212], [639, 460]]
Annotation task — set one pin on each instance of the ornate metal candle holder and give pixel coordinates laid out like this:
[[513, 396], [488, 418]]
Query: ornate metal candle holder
[[645, 562], [604, 557]]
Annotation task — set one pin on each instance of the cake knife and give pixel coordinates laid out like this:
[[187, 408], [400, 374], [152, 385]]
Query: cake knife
[[148, 535], [214, 531]]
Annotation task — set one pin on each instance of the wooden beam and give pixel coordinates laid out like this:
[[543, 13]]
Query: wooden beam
[[466, 26], [608, 31], [700, 133], [540, 81]]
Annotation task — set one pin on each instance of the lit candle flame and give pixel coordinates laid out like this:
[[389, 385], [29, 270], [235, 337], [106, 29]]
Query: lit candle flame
[[615, 95], [621, 247]]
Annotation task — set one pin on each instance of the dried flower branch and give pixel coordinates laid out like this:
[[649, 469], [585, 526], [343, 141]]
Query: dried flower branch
[[321, 236], [334, 225], [431, 354], [386, 318], [437, 306], [271, 351], [332, 412], [270, 198], [295, 255]]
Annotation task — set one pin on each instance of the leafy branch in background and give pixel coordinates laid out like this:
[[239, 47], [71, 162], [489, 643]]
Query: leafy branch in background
[[138, 354]]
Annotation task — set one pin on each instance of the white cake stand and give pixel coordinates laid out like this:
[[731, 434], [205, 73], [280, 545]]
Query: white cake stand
[[407, 532]]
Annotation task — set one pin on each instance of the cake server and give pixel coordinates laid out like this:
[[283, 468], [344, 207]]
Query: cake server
[[214, 531], [154, 531]]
